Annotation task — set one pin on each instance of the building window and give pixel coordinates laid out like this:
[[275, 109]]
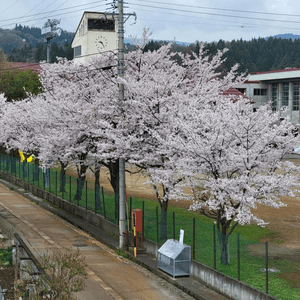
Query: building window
[[77, 51], [296, 96], [285, 94], [260, 92], [242, 90], [101, 24], [274, 96]]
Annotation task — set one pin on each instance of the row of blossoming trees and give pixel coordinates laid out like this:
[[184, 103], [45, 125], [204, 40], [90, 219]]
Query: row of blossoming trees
[[175, 125]]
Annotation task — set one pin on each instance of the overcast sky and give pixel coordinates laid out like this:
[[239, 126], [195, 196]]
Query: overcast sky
[[182, 20]]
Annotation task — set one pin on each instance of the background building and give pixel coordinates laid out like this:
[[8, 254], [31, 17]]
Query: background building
[[97, 32], [280, 86]]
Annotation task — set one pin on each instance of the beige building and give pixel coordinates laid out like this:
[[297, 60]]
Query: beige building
[[280, 86], [97, 32]]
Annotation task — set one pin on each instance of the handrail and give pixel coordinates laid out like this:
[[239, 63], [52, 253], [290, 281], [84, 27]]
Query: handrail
[[32, 258]]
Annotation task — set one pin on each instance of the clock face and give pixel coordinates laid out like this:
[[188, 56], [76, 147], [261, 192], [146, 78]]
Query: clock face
[[101, 42]]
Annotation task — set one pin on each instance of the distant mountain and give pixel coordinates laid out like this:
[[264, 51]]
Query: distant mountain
[[129, 41], [285, 36]]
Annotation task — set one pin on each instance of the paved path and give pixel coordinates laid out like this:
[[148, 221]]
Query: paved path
[[109, 276]]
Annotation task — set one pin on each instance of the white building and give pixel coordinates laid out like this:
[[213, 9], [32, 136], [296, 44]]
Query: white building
[[97, 32], [280, 86]]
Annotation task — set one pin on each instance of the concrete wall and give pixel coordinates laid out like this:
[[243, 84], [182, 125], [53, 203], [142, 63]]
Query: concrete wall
[[219, 282], [226, 285]]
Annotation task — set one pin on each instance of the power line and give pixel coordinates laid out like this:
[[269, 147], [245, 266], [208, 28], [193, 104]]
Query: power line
[[212, 14], [32, 9], [48, 7], [247, 25], [224, 9], [26, 21], [10, 7]]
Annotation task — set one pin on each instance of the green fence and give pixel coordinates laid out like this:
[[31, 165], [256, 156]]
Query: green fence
[[199, 231]]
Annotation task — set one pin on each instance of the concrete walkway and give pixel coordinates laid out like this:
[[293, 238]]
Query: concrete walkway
[[109, 275]]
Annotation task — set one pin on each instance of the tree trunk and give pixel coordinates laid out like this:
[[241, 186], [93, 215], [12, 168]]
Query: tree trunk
[[47, 177], [224, 244], [13, 162], [81, 181], [36, 169], [97, 188], [7, 162], [24, 167], [223, 237], [163, 220], [113, 167], [62, 179]]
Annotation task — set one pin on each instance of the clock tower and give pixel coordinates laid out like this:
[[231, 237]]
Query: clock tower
[[97, 32]]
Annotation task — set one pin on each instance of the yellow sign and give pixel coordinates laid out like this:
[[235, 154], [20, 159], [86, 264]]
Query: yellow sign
[[22, 157]]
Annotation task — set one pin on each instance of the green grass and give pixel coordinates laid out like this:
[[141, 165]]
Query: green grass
[[6, 256], [250, 234]]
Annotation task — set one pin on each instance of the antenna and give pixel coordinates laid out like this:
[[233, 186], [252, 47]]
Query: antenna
[[50, 31]]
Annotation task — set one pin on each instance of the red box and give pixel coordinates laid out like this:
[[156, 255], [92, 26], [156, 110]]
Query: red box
[[137, 215]]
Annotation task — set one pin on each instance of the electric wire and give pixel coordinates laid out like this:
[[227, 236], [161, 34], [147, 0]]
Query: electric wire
[[32, 9], [227, 24], [213, 14], [240, 25], [10, 7], [222, 9], [51, 11], [46, 8]]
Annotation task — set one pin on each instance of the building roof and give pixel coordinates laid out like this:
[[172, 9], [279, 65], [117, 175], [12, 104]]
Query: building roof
[[288, 73], [23, 66], [235, 94], [275, 71]]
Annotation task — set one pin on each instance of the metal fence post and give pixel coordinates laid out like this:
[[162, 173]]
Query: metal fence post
[[173, 225], [194, 237], [86, 183], [157, 234], [50, 181], [143, 217], [70, 196], [104, 211], [95, 199], [239, 257], [55, 183], [215, 250], [267, 268]]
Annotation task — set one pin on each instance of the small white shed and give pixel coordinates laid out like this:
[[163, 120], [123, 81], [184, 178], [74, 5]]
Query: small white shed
[[174, 258]]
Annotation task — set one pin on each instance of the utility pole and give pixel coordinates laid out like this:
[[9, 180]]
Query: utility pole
[[122, 200]]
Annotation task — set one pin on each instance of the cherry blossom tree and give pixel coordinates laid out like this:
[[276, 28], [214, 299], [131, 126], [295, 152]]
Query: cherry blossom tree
[[232, 160], [152, 81], [85, 117], [158, 89]]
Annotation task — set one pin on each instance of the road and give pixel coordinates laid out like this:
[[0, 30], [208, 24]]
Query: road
[[109, 276]]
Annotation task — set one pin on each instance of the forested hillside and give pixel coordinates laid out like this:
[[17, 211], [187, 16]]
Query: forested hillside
[[26, 44], [252, 56], [260, 54]]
